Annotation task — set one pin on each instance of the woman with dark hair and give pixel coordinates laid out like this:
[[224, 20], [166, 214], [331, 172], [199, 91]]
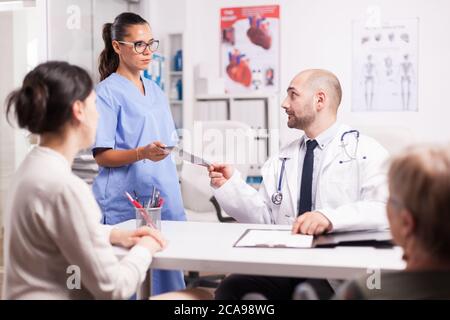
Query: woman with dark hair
[[55, 246], [134, 127]]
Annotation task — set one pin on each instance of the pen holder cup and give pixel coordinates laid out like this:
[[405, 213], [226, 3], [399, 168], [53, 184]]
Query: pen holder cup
[[148, 217]]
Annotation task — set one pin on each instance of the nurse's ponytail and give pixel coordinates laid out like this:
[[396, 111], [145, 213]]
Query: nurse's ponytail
[[44, 102], [109, 60]]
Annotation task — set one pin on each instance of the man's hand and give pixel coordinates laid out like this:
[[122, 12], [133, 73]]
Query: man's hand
[[219, 174], [312, 223]]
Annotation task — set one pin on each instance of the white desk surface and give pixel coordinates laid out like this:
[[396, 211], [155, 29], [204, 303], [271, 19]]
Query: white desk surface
[[197, 246]]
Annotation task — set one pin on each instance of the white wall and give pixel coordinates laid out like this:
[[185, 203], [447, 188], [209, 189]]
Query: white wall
[[317, 34], [22, 52], [75, 35], [6, 133]]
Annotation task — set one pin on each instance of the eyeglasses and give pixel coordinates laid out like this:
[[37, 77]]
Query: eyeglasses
[[141, 46]]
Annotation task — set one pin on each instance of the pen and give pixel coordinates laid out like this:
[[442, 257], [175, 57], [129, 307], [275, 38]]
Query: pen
[[137, 205], [135, 196], [155, 203], [153, 197], [134, 202]]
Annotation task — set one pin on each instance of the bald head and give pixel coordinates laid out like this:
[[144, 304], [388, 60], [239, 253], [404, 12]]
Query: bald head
[[326, 81]]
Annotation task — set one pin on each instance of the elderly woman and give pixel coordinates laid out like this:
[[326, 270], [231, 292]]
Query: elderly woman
[[419, 215]]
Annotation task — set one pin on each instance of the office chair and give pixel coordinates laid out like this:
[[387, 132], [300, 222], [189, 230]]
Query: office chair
[[198, 197]]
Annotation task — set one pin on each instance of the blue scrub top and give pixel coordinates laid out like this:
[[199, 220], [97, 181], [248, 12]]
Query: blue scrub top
[[129, 119]]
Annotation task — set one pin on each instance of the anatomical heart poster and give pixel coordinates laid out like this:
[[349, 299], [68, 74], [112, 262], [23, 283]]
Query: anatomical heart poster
[[250, 43]]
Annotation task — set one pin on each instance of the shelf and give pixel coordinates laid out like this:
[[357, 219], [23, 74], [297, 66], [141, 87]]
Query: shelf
[[232, 96]]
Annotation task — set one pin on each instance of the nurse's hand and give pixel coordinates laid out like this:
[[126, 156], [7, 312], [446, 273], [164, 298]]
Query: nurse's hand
[[219, 174], [154, 151], [312, 223]]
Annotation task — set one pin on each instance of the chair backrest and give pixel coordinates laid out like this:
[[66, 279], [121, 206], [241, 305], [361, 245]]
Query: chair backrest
[[393, 138], [219, 141], [195, 188], [227, 141]]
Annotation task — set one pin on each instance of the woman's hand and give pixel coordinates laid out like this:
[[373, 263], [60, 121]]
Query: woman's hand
[[153, 240], [128, 239], [153, 151], [150, 244]]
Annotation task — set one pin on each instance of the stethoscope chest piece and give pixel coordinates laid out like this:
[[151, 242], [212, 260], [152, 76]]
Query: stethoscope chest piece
[[277, 198]]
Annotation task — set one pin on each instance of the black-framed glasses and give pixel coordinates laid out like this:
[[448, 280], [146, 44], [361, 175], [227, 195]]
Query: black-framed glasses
[[141, 46]]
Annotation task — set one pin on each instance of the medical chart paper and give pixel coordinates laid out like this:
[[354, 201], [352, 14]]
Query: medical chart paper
[[186, 156], [266, 238]]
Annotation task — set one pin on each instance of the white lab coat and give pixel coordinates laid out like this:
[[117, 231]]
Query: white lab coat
[[352, 194]]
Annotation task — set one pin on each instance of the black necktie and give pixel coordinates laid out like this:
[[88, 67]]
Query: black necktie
[[307, 175]]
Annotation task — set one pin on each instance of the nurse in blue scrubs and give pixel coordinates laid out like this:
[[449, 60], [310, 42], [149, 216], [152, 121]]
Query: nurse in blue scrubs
[[135, 122]]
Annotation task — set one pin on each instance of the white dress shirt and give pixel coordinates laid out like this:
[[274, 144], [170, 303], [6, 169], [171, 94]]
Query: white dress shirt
[[323, 140], [52, 222]]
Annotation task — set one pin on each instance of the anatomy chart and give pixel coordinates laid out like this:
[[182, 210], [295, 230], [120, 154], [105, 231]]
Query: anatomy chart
[[250, 49], [385, 66]]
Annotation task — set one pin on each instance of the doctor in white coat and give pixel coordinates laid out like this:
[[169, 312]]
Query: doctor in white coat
[[333, 179]]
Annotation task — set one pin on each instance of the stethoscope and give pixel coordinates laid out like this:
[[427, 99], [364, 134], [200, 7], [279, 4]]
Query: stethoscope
[[352, 157], [344, 146], [277, 197]]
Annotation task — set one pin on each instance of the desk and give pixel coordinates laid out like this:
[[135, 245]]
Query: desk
[[201, 246]]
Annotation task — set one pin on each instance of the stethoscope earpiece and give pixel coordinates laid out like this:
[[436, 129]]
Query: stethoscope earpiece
[[344, 146]]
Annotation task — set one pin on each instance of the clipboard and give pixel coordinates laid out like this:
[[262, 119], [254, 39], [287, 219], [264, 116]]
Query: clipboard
[[367, 238], [252, 238], [364, 238]]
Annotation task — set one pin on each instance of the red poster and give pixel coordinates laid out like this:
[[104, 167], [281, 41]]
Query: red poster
[[250, 48]]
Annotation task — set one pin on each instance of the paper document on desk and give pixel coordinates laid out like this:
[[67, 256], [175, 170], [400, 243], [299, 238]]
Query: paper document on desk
[[269, 238], [186, 156]]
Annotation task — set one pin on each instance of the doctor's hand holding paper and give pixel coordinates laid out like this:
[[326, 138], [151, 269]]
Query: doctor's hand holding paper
[[219, 174], [330, 179]]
